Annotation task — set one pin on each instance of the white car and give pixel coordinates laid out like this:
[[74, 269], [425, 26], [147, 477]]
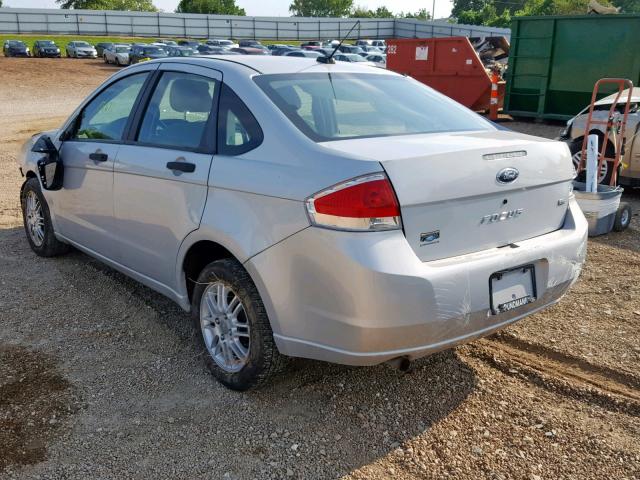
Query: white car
[[222, 43], [78, 49], [118, 54], [306, 209], [380, 59], [353, 58]]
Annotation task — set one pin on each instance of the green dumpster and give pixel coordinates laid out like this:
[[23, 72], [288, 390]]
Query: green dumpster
[[555, 61]]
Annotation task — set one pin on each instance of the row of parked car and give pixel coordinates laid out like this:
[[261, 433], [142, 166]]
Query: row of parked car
[[372, 52]]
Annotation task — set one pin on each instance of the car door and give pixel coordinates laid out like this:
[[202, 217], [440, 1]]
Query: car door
[[84, 206], [160, 179]]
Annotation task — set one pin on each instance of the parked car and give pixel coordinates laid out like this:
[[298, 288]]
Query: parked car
[[249, 51], [250, 43], [332, 212], [46, 48], [168, 43], [363, 43], [573, 134], [100, 47], [352, 58], [311, 45], [189, 43], [15, 48], [223, 43], [380, 59], [118, 54], [304, 53], [79, 49], [141, 53], [366, 50], [350, 49], [283, 49], [275, 46], [180, 52], [209, 50]]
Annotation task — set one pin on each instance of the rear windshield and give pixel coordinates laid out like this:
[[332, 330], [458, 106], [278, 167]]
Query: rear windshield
[[336, 106], [154, 51]]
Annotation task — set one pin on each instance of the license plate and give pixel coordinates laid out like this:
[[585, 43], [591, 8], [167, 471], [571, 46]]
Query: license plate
[[512, 289]]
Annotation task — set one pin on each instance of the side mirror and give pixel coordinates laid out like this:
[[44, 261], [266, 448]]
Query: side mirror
[[50, 166]]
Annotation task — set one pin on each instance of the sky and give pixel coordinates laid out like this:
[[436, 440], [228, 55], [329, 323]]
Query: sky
[[273, 7]]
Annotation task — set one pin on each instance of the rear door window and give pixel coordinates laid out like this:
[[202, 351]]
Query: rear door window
[[238, 130]]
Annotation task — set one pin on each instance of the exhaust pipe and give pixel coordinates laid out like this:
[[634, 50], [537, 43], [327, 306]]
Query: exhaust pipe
[[400, 363]]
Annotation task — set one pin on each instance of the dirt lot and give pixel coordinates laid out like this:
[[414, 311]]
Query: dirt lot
[[100, 377]]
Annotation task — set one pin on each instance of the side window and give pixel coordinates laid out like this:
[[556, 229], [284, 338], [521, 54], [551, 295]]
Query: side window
[[105, 117], [179, 111], [238, 130]]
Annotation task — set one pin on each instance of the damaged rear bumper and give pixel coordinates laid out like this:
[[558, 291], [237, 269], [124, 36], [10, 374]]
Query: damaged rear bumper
[[362, 299]]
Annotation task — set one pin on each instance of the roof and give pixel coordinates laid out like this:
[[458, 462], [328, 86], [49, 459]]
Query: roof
[[635, 97], [269, 64]]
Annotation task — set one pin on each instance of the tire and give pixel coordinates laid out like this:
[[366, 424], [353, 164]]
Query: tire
[[623, 217], [105, 59], [262, 359], [607, 167], [47, 245]]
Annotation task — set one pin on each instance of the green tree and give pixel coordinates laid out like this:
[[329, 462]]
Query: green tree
[[220, 7], [421, 14], [130, 5], [487, 15], [321, 8], [362, 12], [0, 3]]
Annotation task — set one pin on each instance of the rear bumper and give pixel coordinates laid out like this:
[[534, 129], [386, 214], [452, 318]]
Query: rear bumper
[[364, 298]]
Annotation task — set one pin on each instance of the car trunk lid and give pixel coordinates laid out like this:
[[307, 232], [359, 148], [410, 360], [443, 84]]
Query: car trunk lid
[[451, 200]]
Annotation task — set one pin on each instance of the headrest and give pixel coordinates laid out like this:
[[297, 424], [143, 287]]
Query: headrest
[[290, 96], [189, 95]]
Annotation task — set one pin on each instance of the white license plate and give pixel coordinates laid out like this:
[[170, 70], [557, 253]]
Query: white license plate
[[512, 289]]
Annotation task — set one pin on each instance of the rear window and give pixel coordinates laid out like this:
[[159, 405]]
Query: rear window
[[336, 106]]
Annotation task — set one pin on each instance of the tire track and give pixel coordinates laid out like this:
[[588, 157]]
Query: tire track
[[561, 373]]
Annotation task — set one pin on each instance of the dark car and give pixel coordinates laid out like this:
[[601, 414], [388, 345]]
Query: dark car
[[282, 50], [102, 46], [141, 53], [46, 48], [305, 53], [180, 52], [216, 51], [350, 49], [250, 51], [189, 43], [15, 48]]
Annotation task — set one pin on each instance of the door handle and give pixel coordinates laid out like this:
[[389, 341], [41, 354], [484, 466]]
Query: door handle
[[99, 157], [181, 166]]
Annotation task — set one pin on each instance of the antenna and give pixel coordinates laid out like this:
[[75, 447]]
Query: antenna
[[330, 59]]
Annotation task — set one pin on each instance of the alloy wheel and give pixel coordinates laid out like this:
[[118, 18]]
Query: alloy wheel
[[604, 169], [35, 218], [225, 327]]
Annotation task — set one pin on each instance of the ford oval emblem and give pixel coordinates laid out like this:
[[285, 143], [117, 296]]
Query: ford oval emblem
[[507, 175]]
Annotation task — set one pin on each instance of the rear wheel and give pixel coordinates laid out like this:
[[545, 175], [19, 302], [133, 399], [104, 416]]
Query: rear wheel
[[37, 222], [239, 348]]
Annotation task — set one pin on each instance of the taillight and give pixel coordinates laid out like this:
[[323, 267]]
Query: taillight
[[363, 203]]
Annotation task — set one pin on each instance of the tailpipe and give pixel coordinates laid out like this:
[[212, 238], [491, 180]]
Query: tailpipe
[[400, 363]]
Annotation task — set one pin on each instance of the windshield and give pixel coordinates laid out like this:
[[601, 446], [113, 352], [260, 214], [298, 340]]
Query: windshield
[[185, 53], [82, 44], [225, 42], [16, 43], [122, 49], [336, 106], [354, 57], [47, 43]]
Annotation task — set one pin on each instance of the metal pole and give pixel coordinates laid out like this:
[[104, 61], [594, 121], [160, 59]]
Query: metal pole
[[433, 10]]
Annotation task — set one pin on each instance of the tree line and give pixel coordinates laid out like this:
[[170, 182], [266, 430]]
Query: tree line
[[494, 13]]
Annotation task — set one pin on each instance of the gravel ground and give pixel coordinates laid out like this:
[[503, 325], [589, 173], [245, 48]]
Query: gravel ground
[[100, 377]]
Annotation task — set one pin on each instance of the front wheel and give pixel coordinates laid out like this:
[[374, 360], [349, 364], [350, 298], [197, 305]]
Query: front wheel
[[37, 222], [604, 176], [623, 217], [233, 326]]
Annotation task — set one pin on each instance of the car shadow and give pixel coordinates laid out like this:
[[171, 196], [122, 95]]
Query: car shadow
[[340, 418]]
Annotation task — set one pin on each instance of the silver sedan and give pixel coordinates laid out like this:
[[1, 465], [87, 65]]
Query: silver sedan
[[118, 54], [303, 208]]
